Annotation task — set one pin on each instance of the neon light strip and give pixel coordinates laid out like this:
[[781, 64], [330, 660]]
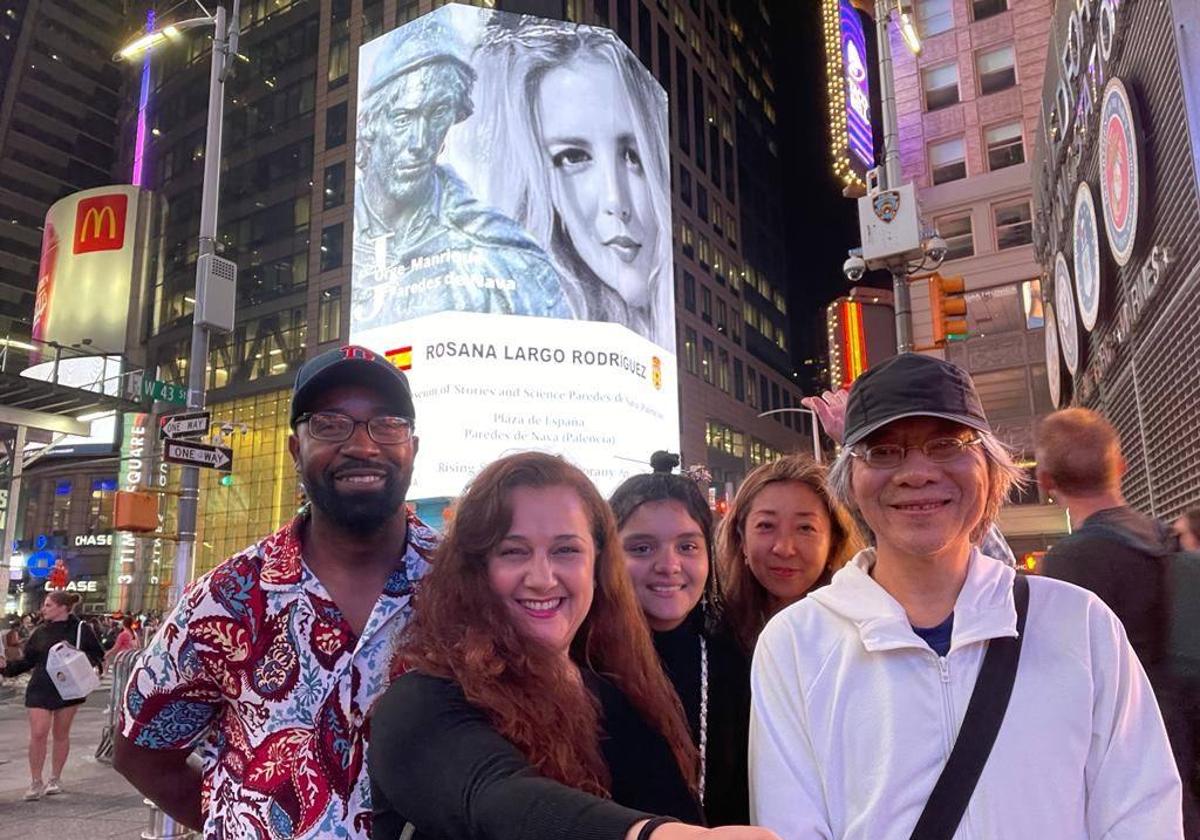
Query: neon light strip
[[139, 142], [857, 349]]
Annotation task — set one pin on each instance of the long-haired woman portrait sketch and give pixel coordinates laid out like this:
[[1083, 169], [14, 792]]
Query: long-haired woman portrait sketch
[[571, 136]]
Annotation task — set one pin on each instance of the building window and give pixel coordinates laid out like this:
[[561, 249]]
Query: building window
[[706, 304], [331, 247], [739, 381], [60, 508], [723, 370], [689, 292], [956, 230], [947, 160], [702, 203], [997, 69], [335, 125], [751, 387], [329, 315], [983, 9], [706, 361], [335, 185], [687, 239], [722, 315], [685, 185], [100, 506], [689, 350], [1004, 146], [941, 86], [934, 16], [1014, 224]]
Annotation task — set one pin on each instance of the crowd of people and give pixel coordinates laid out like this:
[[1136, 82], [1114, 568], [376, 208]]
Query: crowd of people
[[844, 655]]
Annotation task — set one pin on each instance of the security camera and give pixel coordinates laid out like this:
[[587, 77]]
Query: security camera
[[854, 268], [936, 248]]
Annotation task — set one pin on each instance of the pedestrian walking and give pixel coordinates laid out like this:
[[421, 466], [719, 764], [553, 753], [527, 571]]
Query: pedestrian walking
[[783, 537], [922, 646], [1122, 556], [272, 661], [664, 528], [50, 716], [125, 640], [534, 707]]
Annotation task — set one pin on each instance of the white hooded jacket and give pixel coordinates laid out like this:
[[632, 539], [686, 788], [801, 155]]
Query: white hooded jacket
[[854, 717]]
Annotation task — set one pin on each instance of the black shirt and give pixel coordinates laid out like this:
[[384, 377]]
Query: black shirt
[[437, 762], [726, 789], [41, 692]]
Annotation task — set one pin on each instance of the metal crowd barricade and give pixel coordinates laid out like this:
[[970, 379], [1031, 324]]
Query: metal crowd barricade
[[120, 667]]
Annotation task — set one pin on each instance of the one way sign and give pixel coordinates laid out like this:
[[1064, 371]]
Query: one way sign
[[184, 425], [198, 455]]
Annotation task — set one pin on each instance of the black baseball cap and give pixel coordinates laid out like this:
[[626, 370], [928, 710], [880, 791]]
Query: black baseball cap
[[352, 365], [912, 385]]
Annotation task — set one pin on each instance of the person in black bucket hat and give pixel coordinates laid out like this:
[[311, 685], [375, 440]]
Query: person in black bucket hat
[[915, 692], [291, 641]]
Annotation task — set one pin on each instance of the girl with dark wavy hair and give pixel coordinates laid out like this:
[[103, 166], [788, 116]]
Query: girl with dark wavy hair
[[665, 528], [533, 705]]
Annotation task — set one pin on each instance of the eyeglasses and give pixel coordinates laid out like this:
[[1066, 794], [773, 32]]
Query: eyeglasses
[[335, 427], [888, 456]]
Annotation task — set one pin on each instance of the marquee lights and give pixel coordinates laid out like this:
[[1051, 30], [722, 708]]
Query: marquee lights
[[848, 89]]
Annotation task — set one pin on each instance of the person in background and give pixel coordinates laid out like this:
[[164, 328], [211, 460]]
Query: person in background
[[533, 705], [126, 640], [49, 714], [12, 640], [272, 661], [1187, 529], [860, 689], [665, 529], [1119, 554], [784, 535]]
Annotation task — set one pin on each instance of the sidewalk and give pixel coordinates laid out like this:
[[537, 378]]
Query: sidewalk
[[95, 804]]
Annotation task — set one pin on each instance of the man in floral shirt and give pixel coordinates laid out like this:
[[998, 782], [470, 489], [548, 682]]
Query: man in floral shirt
[[271, 662]]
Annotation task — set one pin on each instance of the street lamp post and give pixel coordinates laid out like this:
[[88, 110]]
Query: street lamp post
[[816, 433], [224, 47]]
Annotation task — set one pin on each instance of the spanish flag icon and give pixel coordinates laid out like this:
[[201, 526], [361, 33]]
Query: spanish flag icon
[[401, 357]]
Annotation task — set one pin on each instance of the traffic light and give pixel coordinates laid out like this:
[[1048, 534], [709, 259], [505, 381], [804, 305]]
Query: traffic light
[[949, 308], [226, 480], [135, 511]]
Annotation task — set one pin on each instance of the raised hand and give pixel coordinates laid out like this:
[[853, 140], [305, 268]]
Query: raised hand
[[830, 409]]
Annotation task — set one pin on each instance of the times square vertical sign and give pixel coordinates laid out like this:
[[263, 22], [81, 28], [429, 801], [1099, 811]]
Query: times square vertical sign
[[512, 242]]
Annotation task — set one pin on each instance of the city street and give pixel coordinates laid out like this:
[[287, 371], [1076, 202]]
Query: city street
[[96, 803]]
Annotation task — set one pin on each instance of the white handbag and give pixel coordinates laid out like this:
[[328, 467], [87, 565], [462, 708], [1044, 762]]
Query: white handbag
[[70, 670]]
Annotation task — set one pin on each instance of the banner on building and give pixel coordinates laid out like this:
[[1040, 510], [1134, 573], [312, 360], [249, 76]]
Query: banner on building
[[512, 242]]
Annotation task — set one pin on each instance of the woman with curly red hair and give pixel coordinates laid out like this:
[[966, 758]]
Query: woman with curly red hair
[[533, 705]]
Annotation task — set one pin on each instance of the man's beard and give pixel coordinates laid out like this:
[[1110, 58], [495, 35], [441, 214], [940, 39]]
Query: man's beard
[[359, 511]]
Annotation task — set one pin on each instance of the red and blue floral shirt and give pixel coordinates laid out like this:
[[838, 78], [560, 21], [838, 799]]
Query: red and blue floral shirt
[[258, 669]]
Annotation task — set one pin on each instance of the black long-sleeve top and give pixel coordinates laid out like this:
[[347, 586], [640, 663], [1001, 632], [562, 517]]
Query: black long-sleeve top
[[437, 762], [41, 693], [726, 785]]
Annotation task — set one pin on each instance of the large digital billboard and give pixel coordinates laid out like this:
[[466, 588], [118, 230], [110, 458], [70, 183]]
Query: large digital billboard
[[512, 241]]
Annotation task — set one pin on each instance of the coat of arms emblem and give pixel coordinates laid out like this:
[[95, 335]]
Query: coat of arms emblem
[[886, 205]]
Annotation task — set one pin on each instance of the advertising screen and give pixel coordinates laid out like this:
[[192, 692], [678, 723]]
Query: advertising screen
[[512, 242], [849, 85]]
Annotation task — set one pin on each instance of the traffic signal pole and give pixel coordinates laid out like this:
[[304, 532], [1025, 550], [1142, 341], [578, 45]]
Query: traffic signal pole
[[892, 175]]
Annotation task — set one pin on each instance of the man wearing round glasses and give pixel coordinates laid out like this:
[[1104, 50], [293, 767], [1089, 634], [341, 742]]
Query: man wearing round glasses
[[861, 691], [274, 659]]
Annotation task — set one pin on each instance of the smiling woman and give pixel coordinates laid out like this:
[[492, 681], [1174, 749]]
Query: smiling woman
[[530, 670]]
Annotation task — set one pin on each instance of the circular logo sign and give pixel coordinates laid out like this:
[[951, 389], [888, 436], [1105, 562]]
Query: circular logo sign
[[1120, 180], [1053, 370], [1087, 257], [1064, 308]]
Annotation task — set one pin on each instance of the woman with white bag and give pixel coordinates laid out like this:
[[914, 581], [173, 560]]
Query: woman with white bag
[[48, 710]]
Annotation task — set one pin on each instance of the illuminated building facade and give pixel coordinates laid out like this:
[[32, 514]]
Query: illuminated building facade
[[860, 329]]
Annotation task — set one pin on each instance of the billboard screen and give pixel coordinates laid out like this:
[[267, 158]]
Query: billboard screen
[[512, 242], [91, 242], [849, 87]]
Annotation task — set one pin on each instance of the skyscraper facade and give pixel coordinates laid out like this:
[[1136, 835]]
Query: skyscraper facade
[[286, 217]]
